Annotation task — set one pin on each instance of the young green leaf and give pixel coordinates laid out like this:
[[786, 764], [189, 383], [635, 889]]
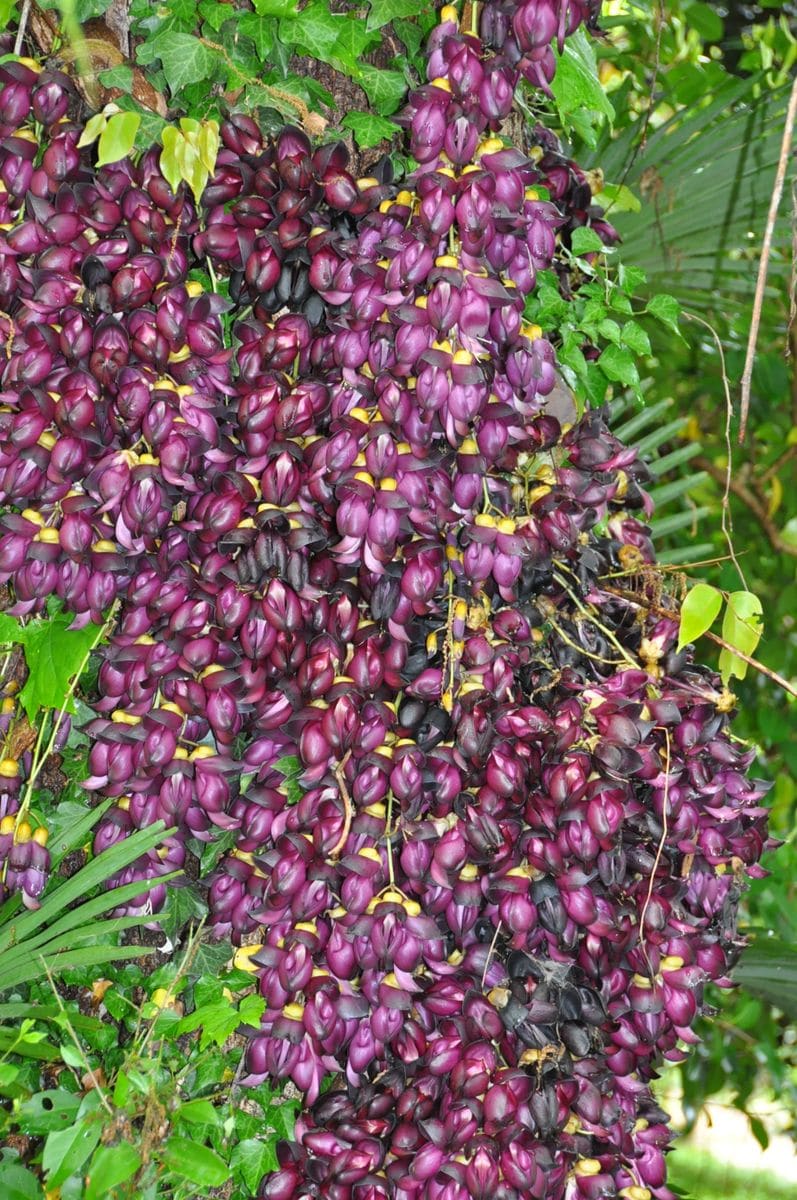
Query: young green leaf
[[618, 365], [699, 611], [586, 241], [195, 1162], [54, 654], [576, 86], [110, 1166], [665, 309], [18, 1183], [66, 1151], [184, 58], [368, 129], [93, 128], [384, 11], [118, 137], [742, 629]]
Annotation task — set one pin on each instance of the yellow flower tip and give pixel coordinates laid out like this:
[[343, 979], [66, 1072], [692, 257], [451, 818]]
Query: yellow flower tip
[[201, 752], [404, 198], [7, 706], [586, 1167], [368, 181], [635, 1192], [103, 546], [181, 753], [360, 414], [47, 535], [364, 477], [448, 13], [242, 959], [120, 717], [294, 1012], [7, 826], [388, 484], [446, 260], [463, 358], [671, 962], [533, 332], [442, 83], [30, 514], [484, 521], [23, 832], [47, 440], [194, 288], [9, 768], [506, 525]]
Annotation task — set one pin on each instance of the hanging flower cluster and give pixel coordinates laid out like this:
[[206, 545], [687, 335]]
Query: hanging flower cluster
[[343, 530]]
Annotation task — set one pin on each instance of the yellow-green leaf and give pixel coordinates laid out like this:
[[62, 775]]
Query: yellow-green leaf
[[741, 629], [699, 611], [118, 137], [93, 129]]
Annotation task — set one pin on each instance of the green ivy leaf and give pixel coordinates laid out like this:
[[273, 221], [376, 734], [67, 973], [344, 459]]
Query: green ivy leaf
[[118, 138], [586, 241], [618, 365], [576, 86], [117, 77], [275, 8], [368, 129], [699, 611], [215, 14], [251, 1160], [665, 309], [54, 654], [742, 629], [384, 89], [259, 30], [315, 31], [110, 1166], [183, 57], [198, 1112], [635, 338], [195, 1162], [384, 11]]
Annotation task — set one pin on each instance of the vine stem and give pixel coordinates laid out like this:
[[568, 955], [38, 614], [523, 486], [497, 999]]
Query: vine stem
[[751, 662], [727, 517], [763, 265], [348, 807], [659, 852], [23, 22]]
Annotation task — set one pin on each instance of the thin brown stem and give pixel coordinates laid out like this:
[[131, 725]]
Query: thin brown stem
[[756, 506], [348, 807], [754, 662], [727, 518], [763, 266]]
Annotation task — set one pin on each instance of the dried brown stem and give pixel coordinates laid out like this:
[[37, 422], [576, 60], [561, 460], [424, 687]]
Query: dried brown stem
[[763, 266], [348, 807], [756, 506]]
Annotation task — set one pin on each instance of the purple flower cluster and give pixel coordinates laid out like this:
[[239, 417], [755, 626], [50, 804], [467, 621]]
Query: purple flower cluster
[[344, 531]]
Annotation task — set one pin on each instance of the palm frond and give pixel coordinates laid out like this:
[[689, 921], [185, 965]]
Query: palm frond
[[705, 178]]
